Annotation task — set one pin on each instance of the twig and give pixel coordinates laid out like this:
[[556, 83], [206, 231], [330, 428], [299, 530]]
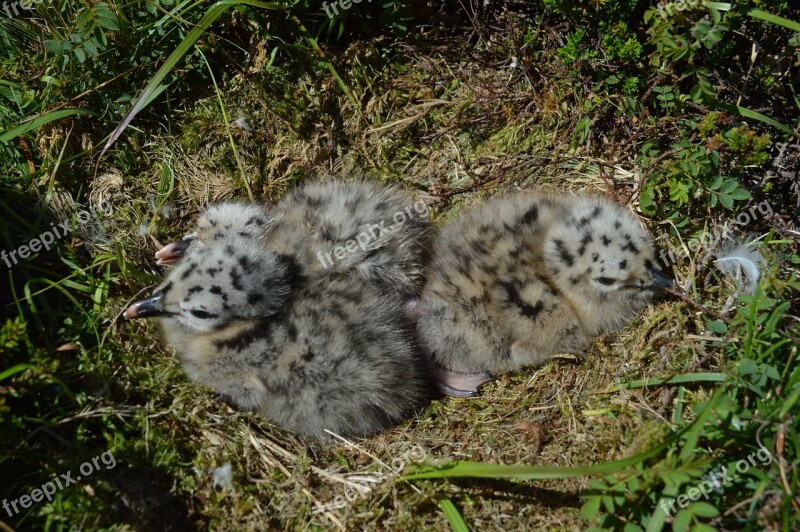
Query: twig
[[683, 296]]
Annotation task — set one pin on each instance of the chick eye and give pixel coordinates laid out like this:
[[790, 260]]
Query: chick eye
[[608, 281], [202, 314]]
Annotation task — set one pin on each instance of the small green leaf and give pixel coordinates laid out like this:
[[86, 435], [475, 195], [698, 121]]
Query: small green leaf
[[747, 367], [608, 502], [703, 509], [598, 485], [54, 47], [717, 326], [50, 80], [108, 23], [90, 48], [740, 194], [682, 521], [772, 372], [679, 193], [730, 185], [680, 477], [590, 508], [696, 94], [646, 198]]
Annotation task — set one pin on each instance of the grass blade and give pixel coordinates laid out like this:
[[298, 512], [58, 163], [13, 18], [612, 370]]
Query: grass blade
[[677, 379], [755, 115], [530, 472], [40, 121], [757, 14], [17, 369], [228, 129], [774, 19], [453, 515], [694, 430]]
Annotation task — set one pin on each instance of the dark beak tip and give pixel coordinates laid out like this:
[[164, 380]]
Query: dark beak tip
[[134, 311], [661, 280], [173, 251], [143, 309]]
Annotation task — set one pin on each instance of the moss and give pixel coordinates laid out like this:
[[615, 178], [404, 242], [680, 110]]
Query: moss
[[751, 147]]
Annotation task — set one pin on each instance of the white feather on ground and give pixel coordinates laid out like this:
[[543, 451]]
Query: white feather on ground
[[222, 475], [742, 262]]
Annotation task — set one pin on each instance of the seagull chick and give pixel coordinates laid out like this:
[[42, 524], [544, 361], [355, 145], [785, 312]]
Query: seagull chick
[[311, 355], [528, 276]]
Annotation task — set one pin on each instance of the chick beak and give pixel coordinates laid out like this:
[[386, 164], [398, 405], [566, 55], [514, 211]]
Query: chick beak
[[660, 279], [172, 252], [147, 308]]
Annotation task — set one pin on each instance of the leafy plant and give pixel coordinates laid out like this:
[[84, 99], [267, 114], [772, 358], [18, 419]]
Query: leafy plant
[[751, 147], [572, 51]]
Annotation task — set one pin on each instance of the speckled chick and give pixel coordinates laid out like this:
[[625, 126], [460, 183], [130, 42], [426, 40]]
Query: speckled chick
[[307, 354], [527, 276], [332, 228]]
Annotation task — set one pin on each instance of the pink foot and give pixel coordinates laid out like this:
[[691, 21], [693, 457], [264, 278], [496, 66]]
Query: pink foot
[[459, 383]]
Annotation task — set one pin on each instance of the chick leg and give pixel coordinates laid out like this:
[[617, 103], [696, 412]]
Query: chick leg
[[459, 383]]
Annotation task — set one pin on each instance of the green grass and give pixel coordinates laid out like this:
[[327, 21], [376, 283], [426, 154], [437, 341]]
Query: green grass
[[655, 113]]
